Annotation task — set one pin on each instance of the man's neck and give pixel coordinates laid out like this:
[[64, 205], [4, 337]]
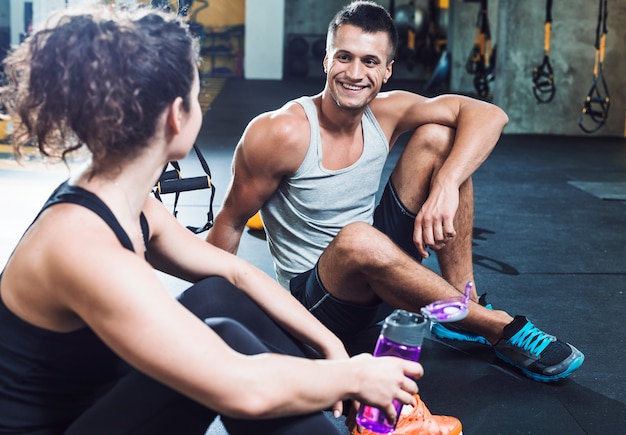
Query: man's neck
[[336, 119]]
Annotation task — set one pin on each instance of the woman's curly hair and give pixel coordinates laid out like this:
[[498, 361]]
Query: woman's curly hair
[[100, 78]]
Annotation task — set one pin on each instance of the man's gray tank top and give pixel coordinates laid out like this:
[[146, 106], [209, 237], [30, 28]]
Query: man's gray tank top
[[309, 208]]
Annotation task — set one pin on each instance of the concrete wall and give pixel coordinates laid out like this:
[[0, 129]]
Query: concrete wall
[[572, 58], [519, 35]]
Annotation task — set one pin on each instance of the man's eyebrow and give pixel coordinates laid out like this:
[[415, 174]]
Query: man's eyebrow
[[370, 56]]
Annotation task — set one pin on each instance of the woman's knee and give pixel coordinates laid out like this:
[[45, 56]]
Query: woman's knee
[[236, 335], [209, 286], [214, 297]]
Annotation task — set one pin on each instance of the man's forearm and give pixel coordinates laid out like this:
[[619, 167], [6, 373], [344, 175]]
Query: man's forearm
[[224, 236]]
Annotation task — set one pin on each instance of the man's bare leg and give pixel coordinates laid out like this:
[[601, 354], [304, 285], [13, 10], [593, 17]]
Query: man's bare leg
[[412, 177], [362, 265]]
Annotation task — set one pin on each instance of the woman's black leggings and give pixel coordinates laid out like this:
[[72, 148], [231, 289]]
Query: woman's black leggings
[[139, 405]]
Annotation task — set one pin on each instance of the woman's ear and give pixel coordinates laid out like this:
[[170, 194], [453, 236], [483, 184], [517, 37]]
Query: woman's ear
[[175, 115]]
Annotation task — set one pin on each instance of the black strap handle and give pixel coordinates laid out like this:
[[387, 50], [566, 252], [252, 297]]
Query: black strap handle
[[207, 171], [480, 61], [183, 185], [597, 103], [543, 75], [171, 181]]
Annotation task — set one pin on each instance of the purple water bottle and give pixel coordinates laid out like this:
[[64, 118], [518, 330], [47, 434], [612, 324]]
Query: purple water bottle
[[401, 335]]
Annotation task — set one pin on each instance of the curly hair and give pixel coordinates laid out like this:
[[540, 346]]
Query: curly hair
[[98, 78], [368, 16]]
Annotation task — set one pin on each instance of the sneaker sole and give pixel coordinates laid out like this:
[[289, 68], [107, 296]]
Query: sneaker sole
[[442, 332], [545, 378]]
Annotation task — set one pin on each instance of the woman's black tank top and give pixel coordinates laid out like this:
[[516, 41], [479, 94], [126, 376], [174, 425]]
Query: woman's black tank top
[[47, 378]]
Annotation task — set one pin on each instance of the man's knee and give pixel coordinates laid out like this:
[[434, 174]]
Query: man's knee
[[362, 244], [434, 138], [354, 237], [422, 157]]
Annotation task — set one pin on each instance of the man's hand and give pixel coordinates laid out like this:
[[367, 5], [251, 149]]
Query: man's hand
[[434, 223]]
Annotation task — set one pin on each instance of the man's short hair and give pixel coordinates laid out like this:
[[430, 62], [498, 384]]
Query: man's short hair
[[368, 16]]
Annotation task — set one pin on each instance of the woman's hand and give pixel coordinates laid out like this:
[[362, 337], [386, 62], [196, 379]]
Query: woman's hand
[[383, 380], [334, 349]]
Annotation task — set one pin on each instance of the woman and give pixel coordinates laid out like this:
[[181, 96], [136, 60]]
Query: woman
[[90, 340]]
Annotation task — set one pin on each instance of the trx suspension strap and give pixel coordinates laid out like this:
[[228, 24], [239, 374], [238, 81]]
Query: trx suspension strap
[[543, 77], [597, 103], [171, 181], [479, 61]]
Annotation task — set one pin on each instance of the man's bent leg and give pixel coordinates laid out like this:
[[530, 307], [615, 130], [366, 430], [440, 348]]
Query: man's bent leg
[[409, 187], [412, 177], [358, 270], [364, 266]]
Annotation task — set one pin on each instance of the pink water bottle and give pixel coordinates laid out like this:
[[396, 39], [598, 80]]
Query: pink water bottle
[[401, 336]]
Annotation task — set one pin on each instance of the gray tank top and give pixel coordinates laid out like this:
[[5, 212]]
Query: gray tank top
[[309, 208]]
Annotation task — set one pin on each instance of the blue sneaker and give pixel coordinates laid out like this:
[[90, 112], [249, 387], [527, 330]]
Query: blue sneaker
[[451, 332], [540, 356]]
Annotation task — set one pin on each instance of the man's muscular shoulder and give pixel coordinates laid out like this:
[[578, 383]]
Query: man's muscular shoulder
[[397, 111], [281, 137]]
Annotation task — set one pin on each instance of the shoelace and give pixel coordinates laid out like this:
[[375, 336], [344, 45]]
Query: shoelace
[[531, 339]]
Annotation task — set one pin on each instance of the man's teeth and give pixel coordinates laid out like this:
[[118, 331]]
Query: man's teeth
[[352, 87]]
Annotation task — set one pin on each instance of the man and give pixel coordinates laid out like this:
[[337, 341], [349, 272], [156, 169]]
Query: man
[[313, 169]]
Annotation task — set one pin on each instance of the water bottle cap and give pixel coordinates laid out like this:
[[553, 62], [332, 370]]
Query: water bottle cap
[[406, 328]]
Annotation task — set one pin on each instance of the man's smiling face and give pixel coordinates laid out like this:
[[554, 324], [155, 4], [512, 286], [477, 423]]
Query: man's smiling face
[[357, 64]]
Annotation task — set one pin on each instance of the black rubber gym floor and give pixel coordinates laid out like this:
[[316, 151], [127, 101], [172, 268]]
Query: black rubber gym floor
[[546, 245]]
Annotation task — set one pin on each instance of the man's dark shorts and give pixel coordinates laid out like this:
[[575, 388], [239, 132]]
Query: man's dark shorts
[[358, 325]]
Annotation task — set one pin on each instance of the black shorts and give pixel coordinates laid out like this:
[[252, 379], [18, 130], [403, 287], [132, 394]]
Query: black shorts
[[358, 325]]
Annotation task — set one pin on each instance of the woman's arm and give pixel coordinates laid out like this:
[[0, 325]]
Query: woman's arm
[[119, 296], [175, 250]]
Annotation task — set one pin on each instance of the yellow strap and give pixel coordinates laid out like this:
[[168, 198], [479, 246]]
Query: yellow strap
[[411, 39], [546, 38], [602, 47]]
